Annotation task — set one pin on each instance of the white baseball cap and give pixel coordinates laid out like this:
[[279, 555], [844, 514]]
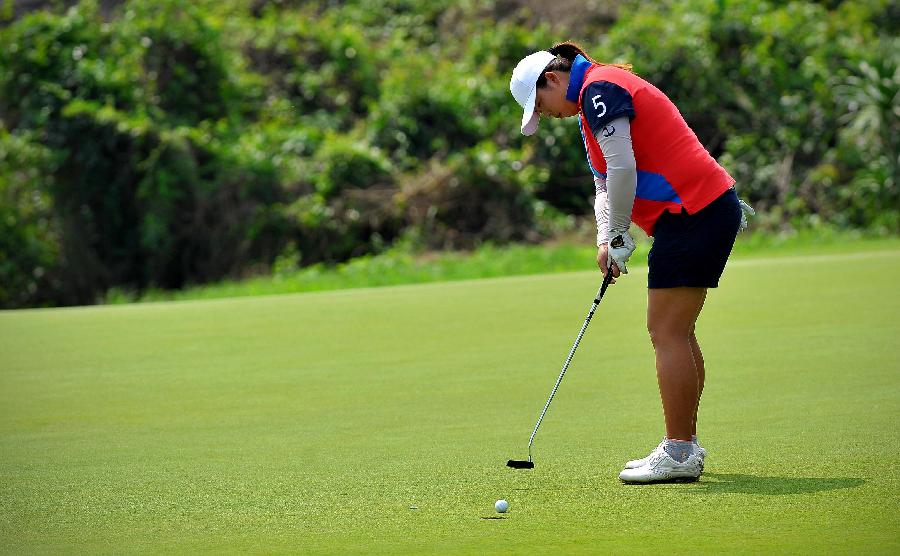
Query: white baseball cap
[[523, 86]]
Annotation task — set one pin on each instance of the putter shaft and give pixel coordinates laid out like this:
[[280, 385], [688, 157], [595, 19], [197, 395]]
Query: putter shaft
[[606, 281]]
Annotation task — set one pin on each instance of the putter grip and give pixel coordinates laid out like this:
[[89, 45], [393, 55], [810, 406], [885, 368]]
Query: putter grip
[[606, 281]]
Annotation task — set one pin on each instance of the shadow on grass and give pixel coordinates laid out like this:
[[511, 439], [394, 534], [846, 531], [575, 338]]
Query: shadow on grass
[[722, 483]]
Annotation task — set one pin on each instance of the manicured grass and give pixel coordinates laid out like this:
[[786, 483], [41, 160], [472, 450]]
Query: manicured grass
[[379, 420]]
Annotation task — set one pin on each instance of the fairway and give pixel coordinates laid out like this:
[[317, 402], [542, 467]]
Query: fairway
[[380, 420]]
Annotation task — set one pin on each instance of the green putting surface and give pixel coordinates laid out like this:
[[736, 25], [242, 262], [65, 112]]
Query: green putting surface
[[380, 420]]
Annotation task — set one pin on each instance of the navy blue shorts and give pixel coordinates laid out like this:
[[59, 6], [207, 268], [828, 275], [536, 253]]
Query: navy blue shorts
[[690, 250]]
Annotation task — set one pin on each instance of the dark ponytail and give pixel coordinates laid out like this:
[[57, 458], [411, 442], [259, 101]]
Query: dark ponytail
[[565, 53], [568, 50]]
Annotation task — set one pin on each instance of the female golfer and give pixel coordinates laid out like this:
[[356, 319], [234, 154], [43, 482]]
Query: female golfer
[[649, 168]]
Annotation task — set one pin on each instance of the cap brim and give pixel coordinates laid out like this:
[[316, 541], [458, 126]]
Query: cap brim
[[530, 119]]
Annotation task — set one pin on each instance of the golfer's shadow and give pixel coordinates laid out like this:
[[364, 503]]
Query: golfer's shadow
[[722, 483]]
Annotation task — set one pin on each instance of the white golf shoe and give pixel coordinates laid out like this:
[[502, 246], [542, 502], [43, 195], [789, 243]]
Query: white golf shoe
[[635, 463], [662, 468], [699, 450]]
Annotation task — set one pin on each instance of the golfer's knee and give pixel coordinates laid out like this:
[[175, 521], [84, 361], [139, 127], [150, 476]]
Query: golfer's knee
[[663, 334]]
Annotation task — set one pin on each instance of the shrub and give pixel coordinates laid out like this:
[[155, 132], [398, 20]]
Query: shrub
[[321, 64], [423, 112], [482, 194], [344, 162], [185, 70], [47, 60], [29, 235]]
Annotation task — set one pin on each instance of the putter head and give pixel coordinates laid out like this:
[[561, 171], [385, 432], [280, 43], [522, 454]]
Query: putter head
[[520, 464]]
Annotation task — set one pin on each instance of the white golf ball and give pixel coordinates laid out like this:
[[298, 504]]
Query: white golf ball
[[501, 506]]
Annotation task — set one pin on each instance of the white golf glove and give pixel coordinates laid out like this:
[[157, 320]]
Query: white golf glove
[[745, 210], [621, 246]]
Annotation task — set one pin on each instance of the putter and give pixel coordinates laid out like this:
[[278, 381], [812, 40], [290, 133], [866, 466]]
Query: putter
[[529, 464]]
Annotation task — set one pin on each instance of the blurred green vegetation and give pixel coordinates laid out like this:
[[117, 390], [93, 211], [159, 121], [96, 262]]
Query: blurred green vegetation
[[399, 265], [158, 145]]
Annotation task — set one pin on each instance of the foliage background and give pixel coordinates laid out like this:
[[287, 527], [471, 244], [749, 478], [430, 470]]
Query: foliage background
[[155, 145]]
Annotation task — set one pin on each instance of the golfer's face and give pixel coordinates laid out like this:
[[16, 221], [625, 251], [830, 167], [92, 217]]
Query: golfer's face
[[551, 100], [548, 103]]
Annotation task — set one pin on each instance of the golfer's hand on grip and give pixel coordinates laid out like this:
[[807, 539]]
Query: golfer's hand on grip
[[616, 252], [603, 262]]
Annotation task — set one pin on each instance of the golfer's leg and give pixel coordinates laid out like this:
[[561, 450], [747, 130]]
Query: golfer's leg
[[699, 365], [701, 377], [671, 314]]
